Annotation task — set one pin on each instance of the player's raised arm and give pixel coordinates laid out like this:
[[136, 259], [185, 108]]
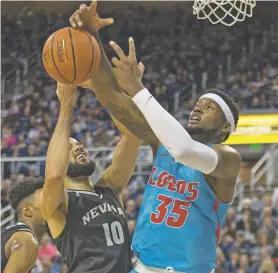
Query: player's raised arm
[[22, 251], [221, 161], [104, 82], [57, 158], [117, 175]]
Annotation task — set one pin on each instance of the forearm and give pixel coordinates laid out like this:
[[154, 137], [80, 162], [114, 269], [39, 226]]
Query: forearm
[[123, 162], [57, 158], [104, 79], [174, 137], [15, 269], [110, 95], [125, 155]]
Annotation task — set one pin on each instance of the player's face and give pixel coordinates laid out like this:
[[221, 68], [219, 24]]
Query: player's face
[[80, 164], [78, 154], [206, 118]]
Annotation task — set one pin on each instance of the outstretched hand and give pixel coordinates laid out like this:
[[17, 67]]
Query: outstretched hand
[[87, 17], [128, 72]]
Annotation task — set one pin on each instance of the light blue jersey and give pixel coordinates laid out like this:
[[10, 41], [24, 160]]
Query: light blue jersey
[[180, 219]]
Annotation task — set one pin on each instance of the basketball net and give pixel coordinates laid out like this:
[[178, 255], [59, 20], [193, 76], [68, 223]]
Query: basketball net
[[226, 12]]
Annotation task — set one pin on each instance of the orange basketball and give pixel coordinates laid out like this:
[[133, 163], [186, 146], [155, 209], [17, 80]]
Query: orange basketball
[[71, 55]]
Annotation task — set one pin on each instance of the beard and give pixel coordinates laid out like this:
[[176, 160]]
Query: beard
[[206, 134], [77, 169]]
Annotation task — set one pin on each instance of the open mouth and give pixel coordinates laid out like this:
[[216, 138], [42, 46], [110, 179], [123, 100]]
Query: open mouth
[[194, 120], [81, 156]]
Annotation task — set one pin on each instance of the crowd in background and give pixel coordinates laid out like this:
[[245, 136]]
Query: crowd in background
[[248, 241], [174, 61]]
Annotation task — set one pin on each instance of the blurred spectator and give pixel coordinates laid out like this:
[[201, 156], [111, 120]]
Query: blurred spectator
[[136, 185], [47, 253], [267, 265], [6, 151], [257, 204], [227, 244], [130, 209], [8, 136], [248, 225], [244, 263], [139, 200], [241, 244], [233, 263], [231, 215], [131, 226], [261, 243]]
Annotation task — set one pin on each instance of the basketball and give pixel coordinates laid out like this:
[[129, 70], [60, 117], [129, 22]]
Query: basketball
[[71, 55]]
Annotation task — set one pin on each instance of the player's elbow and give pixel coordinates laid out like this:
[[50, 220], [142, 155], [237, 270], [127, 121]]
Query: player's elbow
[[178, 154]]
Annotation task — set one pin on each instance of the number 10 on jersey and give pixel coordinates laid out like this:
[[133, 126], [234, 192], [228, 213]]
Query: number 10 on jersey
[[113, 233]]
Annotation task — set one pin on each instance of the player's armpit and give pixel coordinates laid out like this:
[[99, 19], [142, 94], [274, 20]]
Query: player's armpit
[[117, 175], [21, 251], [56, 223], [228, 163]]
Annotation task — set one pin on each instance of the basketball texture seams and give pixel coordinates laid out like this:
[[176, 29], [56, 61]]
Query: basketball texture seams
[[71, 55]]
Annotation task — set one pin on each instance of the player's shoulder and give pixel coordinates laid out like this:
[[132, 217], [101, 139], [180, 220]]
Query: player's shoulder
[[20, 244], [23, 238], [227, 151], [230, 159], [108, 192]]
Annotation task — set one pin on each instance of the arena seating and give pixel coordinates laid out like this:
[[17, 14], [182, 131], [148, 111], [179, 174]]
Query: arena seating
[[176, 54]]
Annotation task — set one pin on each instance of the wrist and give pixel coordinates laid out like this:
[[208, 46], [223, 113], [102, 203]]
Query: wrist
[[136, 88], [141, 97], [92, 30]]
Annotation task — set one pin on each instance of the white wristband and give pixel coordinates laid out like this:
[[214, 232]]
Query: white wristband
[[142, 97]]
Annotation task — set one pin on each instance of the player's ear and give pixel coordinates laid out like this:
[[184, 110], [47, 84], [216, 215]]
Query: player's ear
[[226, 128], [26, 211]]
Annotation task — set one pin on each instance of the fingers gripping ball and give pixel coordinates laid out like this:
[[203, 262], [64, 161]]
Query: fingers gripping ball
[[71, 55]]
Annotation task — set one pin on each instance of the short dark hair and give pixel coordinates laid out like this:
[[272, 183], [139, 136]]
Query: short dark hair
[[230, 102], [24, 189]]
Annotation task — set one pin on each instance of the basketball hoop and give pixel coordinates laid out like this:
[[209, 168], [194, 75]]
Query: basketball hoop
[[226, 12]]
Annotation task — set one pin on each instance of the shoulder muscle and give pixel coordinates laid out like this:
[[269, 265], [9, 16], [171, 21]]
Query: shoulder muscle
[[228, 162], [21, 251]]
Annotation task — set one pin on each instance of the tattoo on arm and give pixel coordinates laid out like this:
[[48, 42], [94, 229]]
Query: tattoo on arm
[[16, 245]]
